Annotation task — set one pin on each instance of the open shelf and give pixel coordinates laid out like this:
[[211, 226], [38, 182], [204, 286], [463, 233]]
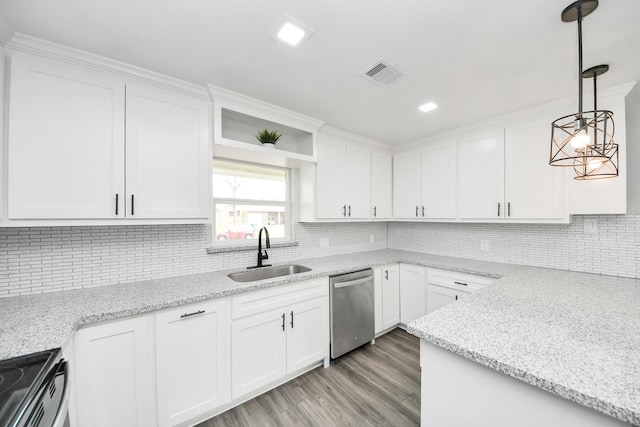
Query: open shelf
[[238, 119]]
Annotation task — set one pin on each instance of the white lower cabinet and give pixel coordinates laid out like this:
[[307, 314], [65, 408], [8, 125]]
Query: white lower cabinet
[[386, 281], [115, 374], [412, 293], [445, 287], [277, 332], [192, 361]]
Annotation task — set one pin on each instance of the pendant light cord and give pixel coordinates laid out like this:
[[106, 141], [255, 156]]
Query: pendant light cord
[[579, 7]]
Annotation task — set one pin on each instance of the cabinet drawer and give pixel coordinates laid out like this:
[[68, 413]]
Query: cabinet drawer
[[268, 299], [458, 281]]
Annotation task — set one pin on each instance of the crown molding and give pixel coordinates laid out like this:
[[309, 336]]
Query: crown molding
[[42, 48]]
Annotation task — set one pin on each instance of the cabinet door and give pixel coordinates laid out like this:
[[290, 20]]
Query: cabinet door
[[439, 181], [258, 351], [390, 297], [192, 357], [358, 174], [533, 188], [481, 176], [330, 178], [65, 142], [381, 185], [438, 296], [412, 293], [377, 299], [307, 333], [168, 155], [114, 374], [406, 184]]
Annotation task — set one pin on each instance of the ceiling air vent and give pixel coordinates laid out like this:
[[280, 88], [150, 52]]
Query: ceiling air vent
[[383, 73]]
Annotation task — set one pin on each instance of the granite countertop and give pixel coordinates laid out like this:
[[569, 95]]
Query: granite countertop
[[33, 323], [574, 334]]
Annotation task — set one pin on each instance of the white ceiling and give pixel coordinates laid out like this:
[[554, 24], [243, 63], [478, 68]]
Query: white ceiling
[[475, 58]]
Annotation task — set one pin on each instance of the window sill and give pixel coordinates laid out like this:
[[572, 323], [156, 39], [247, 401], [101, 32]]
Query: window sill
[[243, 248]]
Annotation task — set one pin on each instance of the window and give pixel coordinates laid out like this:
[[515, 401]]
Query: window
[[247, 197]]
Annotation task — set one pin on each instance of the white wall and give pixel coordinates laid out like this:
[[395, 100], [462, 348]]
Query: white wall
[[633, 149]]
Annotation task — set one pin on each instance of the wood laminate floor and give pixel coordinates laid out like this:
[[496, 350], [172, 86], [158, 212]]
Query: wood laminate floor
[[375, 385]]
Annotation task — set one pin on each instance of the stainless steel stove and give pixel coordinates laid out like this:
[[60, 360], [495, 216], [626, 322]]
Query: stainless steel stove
[[34, 391]]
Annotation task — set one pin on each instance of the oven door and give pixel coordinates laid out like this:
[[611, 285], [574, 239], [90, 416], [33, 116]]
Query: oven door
[[50, 405]]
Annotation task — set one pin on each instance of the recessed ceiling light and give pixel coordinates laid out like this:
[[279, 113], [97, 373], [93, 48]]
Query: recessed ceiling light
[[427, 107], [291, 32]]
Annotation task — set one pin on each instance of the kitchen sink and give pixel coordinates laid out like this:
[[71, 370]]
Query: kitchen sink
[[267, 272]]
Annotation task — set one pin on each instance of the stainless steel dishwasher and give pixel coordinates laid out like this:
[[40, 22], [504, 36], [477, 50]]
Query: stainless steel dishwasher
[[352, 316]]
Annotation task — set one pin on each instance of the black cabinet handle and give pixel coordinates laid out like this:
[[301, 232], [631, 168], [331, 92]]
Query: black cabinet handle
[[116, 204], [509, 209], [344, 210], [498, 208], [192, 314], [460, 283], [349, 210], [291, 319], [283, 321], [374, 210], [416, 212], [386, 274], [456, 297], [423, 211], [132, 205]]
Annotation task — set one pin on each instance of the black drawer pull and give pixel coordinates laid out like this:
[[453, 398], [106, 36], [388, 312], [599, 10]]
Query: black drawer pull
[[116, 204], [192, 314], [283, 321], [460, 283], [291, 319], [132, 210]]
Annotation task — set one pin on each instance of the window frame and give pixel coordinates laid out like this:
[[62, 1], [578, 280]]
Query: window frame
[[287, 204]]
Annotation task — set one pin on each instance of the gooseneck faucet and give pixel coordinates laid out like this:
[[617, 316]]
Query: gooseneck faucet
[[261, 256]]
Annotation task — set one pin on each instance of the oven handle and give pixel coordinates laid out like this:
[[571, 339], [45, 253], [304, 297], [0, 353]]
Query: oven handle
[[351, 282], [63, 408]]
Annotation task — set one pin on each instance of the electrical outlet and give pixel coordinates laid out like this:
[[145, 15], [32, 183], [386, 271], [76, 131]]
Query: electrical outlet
[[372, 238], [590, 226], [484, 245], [324, 242]]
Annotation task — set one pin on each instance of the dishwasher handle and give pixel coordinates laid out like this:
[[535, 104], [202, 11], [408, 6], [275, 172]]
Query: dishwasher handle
[[356, 282]]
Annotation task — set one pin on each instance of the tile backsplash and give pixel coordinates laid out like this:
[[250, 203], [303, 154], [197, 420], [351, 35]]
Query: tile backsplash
[[612, 249], [48, 259]]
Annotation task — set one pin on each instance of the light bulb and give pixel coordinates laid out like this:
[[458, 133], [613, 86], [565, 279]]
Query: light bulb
[[595, 163], [580, 140]]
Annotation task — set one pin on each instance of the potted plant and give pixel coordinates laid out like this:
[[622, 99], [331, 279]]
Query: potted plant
[[268, 138]]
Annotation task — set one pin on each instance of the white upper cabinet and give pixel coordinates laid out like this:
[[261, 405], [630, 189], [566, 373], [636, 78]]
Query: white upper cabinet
[[168, 167], [339, 186], [406, 184], [381, 185], [438, 185], [533, 189], [331, 178], [424, 182], [481, 176], [90, 147], [66, 142]]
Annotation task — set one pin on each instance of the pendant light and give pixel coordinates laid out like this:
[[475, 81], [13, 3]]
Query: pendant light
[[603, 152], [583, 140]]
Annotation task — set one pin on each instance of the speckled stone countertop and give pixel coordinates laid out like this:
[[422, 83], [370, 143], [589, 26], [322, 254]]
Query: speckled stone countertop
[[39, 322], [574, 334]]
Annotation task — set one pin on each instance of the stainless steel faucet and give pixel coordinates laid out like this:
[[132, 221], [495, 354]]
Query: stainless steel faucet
[[261, 256]]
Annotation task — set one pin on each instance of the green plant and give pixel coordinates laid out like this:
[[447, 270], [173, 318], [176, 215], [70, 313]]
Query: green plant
[[267, 136]]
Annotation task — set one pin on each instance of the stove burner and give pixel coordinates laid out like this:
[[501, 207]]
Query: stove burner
[[9, 377]]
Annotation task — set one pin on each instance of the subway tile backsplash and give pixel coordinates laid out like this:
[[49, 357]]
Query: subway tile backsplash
[[614, 249], [49, 259]]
